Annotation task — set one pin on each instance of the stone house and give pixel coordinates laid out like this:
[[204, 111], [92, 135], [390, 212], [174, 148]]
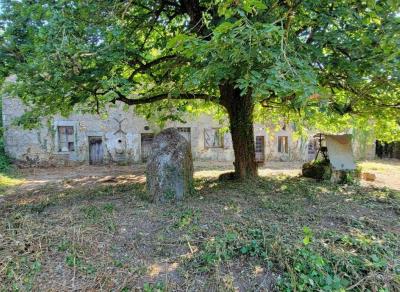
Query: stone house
[[124, 137]]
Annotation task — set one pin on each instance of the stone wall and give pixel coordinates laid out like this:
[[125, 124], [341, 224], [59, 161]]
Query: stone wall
[[121, 135]]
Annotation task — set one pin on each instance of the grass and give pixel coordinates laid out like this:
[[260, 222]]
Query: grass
[[7, 173], [380, 166], [276, 233], [7, 181]]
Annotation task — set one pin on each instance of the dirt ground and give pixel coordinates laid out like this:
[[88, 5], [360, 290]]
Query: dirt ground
[[387, 173], [85, 175], [92, 229]]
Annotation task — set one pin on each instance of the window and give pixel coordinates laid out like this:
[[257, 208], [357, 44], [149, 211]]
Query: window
[[312, 146], [66, 139], [213, 138], [283, 144], [185, 132]]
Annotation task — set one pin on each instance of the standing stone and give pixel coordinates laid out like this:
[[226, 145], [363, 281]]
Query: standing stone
[[170, 167]]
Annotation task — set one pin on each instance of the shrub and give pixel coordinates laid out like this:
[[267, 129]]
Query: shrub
[[4, 160], [320, 170]]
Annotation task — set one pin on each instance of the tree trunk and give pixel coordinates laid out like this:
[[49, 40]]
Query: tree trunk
[[240, 110]]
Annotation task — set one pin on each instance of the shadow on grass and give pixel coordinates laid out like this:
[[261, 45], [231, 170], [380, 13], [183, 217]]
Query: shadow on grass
[[51, 195], [296, 187], [278, 193]]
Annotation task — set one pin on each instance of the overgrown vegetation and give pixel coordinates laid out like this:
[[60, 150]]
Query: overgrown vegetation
[[280, 233], [7, 173], [4, 161]]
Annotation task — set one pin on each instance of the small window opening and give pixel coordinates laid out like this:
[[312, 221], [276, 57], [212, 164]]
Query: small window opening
[[213, 138], [283, 146], [66, 141]]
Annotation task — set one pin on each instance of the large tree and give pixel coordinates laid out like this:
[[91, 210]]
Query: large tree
[[306, 58]]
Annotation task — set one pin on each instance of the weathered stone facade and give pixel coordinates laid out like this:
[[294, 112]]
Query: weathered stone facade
[[124, 137]]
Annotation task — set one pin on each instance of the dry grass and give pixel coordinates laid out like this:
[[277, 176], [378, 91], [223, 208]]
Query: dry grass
[[387, 172], [105, 235], [387, 166]]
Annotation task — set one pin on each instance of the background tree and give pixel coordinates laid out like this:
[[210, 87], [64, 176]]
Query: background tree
[[315, 62]]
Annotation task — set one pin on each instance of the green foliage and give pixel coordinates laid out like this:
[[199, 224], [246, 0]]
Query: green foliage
[[318, 169], [186, 218], [25, 266], [333, 266], [103, 215], [352, 177], [154, 287], [4, 160], [320, 64], [233, 244], [328, 263], [94, 213], [73, 259]]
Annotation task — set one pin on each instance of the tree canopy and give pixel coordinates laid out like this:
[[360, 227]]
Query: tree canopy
[[321, 64]]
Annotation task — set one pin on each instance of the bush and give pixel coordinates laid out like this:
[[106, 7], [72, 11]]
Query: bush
[[320, 170], [4, 160]]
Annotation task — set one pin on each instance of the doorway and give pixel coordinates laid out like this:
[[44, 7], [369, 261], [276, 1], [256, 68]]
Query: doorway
[[146, 140], [95, 150], [260, 148]]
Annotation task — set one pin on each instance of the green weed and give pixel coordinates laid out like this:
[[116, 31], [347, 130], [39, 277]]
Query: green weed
[[186, 218], [154, 287], [21, 272]]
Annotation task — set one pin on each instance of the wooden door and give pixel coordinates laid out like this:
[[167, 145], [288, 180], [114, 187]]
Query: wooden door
[[95, 150], [259, 145], [146, 140]]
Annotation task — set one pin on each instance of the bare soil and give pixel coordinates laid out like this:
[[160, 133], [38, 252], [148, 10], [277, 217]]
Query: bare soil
[[387, 173]]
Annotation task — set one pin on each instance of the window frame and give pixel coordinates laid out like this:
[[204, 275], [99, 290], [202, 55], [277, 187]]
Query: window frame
[[220, 137], [185, 130], [56, 126], [67, 141], [285, 149]]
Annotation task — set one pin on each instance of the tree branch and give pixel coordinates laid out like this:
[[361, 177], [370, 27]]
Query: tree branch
[[195, 11], [366, 96], [158, 97], [148, 65]]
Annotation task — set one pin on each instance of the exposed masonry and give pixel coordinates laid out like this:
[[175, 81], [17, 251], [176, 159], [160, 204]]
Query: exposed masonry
[[124, 137]]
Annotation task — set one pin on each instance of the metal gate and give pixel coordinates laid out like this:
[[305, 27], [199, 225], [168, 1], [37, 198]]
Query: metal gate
[[95, 150]]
